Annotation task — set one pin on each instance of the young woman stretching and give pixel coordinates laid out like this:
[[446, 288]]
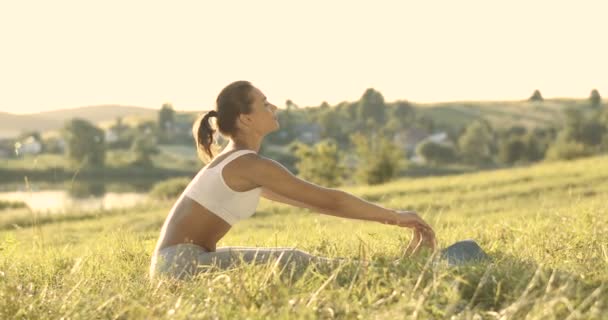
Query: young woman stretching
[[229, 187]]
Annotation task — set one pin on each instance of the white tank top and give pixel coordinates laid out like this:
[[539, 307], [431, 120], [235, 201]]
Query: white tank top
[[209, 189]]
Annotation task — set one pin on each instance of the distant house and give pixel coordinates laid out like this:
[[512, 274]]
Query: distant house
[[110, 135], [183, 127], [29, 146], [410, 138], [437, 138], [309, 132]]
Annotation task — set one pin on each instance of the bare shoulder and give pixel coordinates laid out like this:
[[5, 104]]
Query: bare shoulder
[[273, 176]]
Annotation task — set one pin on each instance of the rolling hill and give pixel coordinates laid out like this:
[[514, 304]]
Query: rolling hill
[[453, 114], [13, 124], [501, 113]]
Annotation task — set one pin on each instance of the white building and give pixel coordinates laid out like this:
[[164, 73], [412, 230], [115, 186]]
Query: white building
[[29, 146]]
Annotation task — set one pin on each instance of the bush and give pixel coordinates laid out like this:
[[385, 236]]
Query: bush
[[169, 189], [436, 153], [379, 160], [11, 204], [476, 144], [321, 164], [567, 150]]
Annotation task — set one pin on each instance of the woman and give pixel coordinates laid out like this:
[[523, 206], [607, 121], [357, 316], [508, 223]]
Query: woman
[[228, 189]]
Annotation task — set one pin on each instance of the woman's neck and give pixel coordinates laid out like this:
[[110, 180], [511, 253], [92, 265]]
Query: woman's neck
[[242, 145]]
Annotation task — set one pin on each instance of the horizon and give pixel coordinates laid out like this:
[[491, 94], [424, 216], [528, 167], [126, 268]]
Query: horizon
[[300, 106], [66, 55]]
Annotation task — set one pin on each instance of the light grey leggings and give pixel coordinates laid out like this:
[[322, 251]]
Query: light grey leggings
[[185, 260]]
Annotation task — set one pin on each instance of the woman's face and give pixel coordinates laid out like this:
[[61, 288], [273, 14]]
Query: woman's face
[[263, 117]]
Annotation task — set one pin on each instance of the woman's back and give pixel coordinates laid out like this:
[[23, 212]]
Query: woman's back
[[215, 199]]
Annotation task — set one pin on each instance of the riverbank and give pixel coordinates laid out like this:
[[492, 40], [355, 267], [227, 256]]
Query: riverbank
[[56, 174]]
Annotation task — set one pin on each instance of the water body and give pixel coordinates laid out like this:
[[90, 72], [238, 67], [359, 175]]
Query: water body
[[76, 196]]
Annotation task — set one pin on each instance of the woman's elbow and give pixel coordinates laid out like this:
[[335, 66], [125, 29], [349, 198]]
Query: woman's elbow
[[336, 200]]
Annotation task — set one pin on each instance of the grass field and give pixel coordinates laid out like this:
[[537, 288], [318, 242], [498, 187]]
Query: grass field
[[546, 228]]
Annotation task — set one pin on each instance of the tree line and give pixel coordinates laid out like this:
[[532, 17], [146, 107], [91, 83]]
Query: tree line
[[358, 141]]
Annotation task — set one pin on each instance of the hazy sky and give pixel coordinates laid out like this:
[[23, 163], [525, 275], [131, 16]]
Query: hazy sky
[[65, 54]]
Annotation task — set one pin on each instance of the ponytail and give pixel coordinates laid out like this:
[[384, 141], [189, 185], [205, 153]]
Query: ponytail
[[203, 134], [233, 100]]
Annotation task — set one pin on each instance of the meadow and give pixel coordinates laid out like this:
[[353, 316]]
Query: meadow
[[545, 227]]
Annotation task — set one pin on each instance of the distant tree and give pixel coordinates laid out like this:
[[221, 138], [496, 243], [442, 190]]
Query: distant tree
[[166, 122], [378, 160], [290, 105], [516, 131], [402, 110], [595, 98], [119, 127], [143, 148], [124, 135], [476, 143], [425, 122], [580, 136], [535, 147], [536, 96], [321, 163], [512, 150], [85, 143], [592, 132], [400, 115], [371, 106], [331, 124], [436, 153], [352, 111], [578, 128]]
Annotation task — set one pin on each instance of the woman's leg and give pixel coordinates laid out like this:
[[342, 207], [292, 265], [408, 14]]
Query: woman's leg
[[184, 260], [226, 257]]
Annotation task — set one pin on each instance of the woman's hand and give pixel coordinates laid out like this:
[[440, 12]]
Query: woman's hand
[[417, 243], [423, 234]]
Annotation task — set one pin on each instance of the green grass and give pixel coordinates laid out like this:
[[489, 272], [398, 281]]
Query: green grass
[[4, 204], [545, 226]]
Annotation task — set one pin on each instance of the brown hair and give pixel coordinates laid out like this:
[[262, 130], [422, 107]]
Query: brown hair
[[232, 101]]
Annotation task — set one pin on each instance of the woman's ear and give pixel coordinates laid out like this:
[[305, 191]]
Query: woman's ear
[[244, 120]]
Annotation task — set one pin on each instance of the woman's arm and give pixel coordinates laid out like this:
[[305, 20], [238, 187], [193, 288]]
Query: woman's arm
[[279, 184], [270, 195]]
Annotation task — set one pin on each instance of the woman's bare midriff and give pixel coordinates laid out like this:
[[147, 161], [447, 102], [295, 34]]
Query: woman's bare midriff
[[189, 222]]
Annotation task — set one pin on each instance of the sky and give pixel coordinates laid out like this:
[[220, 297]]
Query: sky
[[66, 54]]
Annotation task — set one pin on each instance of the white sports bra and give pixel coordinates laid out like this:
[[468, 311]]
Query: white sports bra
[[209, 189]]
